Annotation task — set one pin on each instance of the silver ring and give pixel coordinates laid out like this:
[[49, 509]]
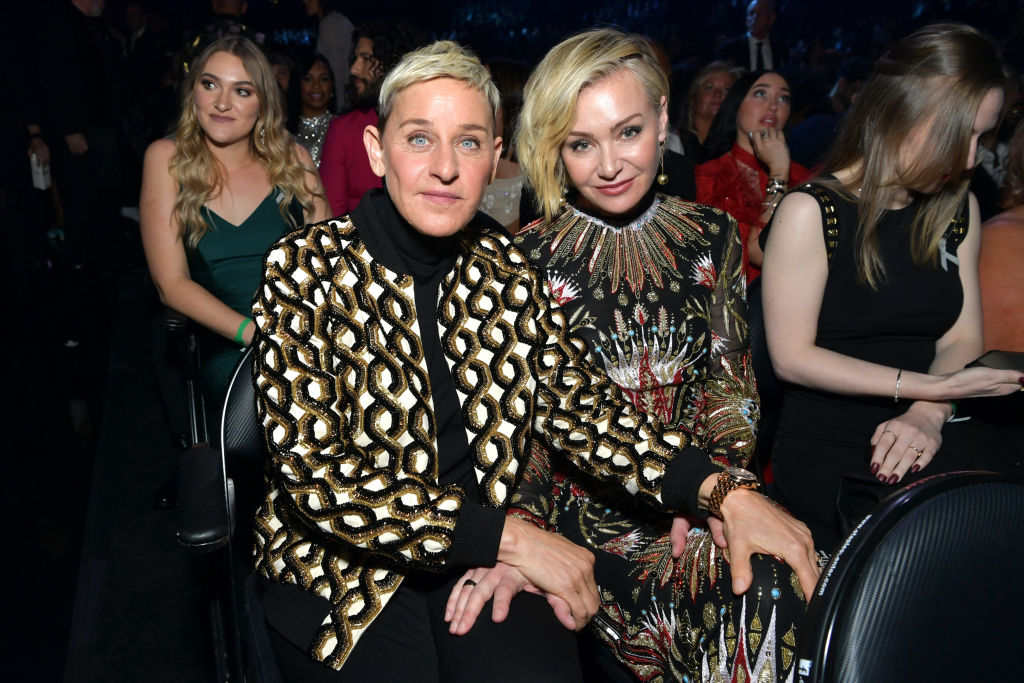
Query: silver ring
[[764, 133]]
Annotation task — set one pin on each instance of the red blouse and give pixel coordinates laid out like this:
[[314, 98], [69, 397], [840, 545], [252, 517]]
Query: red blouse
[[734, 182]]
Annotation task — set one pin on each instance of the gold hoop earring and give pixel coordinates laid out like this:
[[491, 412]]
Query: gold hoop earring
[[662, 177]]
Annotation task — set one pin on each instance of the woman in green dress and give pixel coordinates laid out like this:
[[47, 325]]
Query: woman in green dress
[[218, 194]]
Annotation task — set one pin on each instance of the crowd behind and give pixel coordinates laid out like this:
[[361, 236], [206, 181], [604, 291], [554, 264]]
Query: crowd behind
[[230, 136]]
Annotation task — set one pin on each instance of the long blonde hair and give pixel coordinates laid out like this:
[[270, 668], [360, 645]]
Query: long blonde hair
[[200, 177], [936, 77], [551, 94]]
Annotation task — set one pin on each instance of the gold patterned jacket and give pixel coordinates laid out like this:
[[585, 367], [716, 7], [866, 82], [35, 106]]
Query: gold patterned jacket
[[354, 503]]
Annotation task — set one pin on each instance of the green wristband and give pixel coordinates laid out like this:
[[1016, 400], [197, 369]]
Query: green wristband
[[241, 329]]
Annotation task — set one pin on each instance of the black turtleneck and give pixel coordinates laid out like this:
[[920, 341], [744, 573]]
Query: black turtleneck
[[391, 240]]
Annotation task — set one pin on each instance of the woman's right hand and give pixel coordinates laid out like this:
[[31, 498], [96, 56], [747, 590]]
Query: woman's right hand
[[771, 149], [980, 382]]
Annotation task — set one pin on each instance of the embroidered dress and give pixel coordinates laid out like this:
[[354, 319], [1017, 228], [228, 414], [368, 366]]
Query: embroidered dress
[[660, 302], [734, 183]]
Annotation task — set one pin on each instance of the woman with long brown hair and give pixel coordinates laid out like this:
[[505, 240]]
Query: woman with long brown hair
[[219, 193], [871, 288]]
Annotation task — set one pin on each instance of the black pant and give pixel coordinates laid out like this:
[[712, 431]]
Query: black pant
[[409, 641]]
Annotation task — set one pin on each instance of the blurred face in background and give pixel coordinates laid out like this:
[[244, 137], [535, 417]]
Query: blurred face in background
[[760, 17], [315, 90], [710, 95], [283, 76], [365, 73]]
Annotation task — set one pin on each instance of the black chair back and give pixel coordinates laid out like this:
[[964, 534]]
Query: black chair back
[[927, 588], [241, 435]]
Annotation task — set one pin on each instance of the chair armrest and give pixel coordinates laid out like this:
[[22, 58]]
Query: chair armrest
[[203, 519]]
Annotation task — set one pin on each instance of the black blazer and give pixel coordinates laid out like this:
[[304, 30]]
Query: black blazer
[[737, 51]]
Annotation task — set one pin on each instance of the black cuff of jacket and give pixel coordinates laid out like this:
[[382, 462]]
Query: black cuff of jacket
[[476, 536], [683, 477]]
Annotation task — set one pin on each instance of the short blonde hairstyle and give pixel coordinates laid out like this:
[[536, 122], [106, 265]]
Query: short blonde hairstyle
[[551, 95], [441, 59]]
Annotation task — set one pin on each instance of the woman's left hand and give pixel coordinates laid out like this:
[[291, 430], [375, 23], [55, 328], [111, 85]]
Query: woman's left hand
[[907, 443], [771, 149], [502, 582]]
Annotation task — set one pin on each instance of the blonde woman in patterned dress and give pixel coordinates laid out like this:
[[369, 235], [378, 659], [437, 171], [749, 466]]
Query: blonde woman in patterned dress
[[655, 287]]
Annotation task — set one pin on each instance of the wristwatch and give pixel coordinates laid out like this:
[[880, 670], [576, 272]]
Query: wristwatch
[[730, 479]]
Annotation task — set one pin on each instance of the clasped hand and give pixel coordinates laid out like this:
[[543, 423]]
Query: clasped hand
[[533, 560]]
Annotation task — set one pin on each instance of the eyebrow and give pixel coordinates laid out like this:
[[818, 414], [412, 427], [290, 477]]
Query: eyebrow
[[615, 126], [214, 77], [768, 85], [427, 122]]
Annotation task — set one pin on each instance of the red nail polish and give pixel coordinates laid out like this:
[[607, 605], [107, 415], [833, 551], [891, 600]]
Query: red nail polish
[[914, 469], [881, 478], [893, 479], [874, 468]]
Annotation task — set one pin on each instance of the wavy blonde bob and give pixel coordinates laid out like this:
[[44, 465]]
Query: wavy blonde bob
[[551, 94], [200, 177], [935, 78]]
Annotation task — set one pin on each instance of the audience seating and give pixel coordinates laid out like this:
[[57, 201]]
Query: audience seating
[[927, 588], [219, 488]]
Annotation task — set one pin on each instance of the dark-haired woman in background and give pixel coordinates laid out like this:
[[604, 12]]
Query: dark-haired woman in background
[[871, 288], [749, 168], [310, 113]]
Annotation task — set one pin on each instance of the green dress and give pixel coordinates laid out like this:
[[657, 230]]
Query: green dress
[[228, 262]]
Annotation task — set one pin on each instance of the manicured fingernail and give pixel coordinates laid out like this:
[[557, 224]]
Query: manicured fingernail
[[894, 478], [881, 478], [1021, 380], [915, 468], [874, 468]]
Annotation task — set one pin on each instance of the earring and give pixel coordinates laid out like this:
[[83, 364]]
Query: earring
[[662, 177], [263, 136]]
